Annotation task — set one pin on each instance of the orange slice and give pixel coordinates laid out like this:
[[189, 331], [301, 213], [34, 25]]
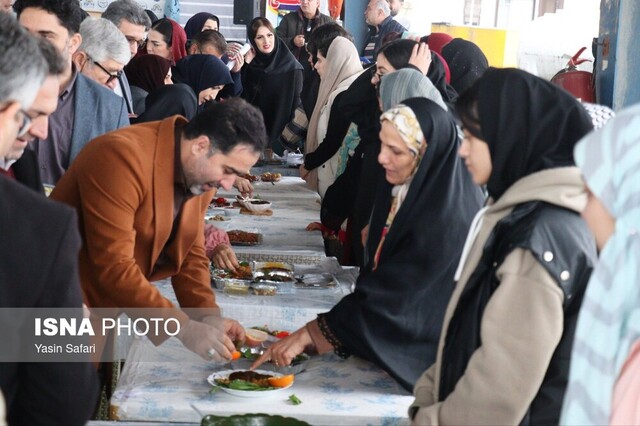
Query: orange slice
[[282, 381]]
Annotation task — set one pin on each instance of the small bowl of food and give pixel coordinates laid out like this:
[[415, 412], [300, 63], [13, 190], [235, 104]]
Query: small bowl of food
[[256, 205]]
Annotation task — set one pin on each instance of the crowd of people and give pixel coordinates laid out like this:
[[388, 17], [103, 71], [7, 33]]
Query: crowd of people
[[495, 218]]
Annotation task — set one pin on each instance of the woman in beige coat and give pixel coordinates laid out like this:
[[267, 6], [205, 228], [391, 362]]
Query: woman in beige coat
[[503, 355]]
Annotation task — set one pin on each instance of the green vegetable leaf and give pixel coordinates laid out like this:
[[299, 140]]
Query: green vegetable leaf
[[294, 399]]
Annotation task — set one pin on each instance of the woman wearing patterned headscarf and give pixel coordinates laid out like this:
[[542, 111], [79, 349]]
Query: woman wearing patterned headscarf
[[337, 204], [604, 384], [422, 211], [504, 349]]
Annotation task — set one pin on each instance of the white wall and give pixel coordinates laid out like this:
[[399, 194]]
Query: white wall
[[547, 43]]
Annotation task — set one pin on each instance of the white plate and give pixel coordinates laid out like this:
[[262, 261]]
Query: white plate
[[223, 374]]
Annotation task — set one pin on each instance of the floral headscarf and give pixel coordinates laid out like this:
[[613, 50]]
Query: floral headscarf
[[408, 127]]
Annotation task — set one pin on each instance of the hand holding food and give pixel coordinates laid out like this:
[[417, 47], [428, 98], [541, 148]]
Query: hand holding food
[[223, 257], [243, 186], [284, 351], [207, 340], [234, 330]]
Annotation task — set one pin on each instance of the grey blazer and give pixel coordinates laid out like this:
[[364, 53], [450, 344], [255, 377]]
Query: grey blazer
[[97, 111]]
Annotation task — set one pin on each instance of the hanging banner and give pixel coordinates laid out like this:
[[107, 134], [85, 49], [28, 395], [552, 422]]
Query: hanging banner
[[156, 6], [276, 9]]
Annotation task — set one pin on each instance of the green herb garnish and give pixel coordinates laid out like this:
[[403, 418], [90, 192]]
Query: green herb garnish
[[243, 385], [294, 399]]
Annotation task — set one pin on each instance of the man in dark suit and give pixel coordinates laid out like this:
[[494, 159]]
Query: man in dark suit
[[85, 109], [39, 267], [22, 164], [134, 24]]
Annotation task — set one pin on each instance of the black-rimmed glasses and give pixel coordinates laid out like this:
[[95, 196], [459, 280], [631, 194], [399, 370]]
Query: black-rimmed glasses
[[112, 75], [133, 41]]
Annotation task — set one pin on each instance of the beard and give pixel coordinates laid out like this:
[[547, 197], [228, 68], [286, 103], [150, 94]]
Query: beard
[[197, 189]]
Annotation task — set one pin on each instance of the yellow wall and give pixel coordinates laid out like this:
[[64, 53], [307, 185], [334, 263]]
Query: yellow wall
[[499, 45]]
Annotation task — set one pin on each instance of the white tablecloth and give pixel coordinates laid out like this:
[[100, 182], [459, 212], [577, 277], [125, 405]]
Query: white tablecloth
[[164, 385], [285, 237], [288, 311]]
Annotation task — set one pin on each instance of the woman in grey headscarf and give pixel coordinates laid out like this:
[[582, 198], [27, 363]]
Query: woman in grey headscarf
[[407, 83]]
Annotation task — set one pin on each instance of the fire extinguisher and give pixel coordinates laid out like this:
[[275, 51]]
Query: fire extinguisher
[[577, 82]]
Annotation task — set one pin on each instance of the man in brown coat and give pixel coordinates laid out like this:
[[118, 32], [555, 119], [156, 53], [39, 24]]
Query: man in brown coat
[[141, 193]]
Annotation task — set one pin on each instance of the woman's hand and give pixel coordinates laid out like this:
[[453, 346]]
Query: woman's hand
[[303, 172], [285, 350], [317, 226], [421, 57]]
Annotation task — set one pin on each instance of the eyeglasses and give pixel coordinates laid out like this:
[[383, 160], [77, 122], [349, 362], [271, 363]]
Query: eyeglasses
[[112, 75], [133, 41], [26, 123]]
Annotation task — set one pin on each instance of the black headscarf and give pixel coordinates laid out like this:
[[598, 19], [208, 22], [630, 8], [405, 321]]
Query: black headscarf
[[529, 124], [201, 72], [279, 60], [168, 100], [196, 22], [273, 82], [438, 77], [394, 316], [466, 63]]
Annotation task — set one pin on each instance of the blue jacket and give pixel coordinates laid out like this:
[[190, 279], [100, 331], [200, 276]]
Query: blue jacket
[[387, 26]]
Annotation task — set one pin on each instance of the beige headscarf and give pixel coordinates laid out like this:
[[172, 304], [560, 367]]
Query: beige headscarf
[[343, 62]]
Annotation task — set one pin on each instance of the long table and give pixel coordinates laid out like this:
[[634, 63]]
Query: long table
[[291, 308], [285, 237], [170, 385]]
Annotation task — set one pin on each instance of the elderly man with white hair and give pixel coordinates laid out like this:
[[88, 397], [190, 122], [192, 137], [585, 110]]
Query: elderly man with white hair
[[39, 268], [378, 17], [103, 53]]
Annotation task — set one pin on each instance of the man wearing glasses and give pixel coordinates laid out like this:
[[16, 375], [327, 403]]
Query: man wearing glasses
[[103, 52], [85, 109], [39, 266], [134, 23], [20, 163]]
